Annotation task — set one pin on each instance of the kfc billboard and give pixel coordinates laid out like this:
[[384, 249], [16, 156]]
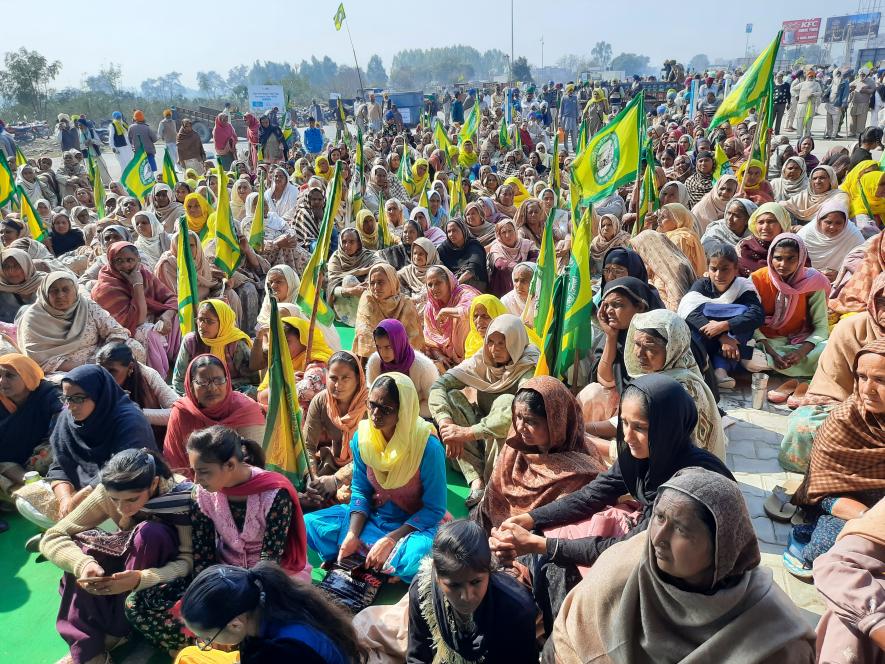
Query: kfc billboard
[[804, 31]]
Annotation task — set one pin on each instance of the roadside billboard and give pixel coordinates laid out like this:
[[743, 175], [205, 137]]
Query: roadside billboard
[[263, 98], [803, 31], [840, 28]]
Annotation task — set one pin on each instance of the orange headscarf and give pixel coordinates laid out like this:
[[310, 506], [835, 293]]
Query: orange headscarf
[[30, 372], [349, 421]]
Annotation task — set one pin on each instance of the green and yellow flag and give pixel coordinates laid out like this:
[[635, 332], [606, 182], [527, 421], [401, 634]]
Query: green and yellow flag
[[138, 178], [648, 197], [188, 293], [31, 217], [761, 137], [169, 175], [98, 194], [442, 141], [555, 173], [577, 331], [7, 183], [283, 443], [256, 231], [458, 201], [471, 124], [20, 159], [721, 164], [504, 135], [316, 265], [228, 254], [583, 136], [750, 90], [542, 290], [611, 157], [404, 172], [339, 17], [385, 237], [358, 182]]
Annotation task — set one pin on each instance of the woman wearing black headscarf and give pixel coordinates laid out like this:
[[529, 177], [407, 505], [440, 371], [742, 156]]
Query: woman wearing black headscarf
[[464, 255], [655, 421], [99, 421], [622, 262], [399, 255]]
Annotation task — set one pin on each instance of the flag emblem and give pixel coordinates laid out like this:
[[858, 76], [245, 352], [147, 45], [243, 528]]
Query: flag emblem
[[605, 157]]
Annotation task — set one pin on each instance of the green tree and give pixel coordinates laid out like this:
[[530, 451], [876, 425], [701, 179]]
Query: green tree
[[602, 54], [521, 70], [375, 72], [631, 63], [699, 62], [108, 80], [27, 78], [212, 84]]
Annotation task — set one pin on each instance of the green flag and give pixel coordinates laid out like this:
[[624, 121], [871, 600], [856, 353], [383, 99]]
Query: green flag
[[339, 16]]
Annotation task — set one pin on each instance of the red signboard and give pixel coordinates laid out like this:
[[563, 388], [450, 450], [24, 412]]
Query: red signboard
[[805, 31]]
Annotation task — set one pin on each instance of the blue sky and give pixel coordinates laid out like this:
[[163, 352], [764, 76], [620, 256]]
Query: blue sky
[[232, 32]]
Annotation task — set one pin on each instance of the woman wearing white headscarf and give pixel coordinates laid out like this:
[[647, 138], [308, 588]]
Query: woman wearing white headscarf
[[281, 244], [150, 247], [831, 237], [822, 185], [27, 180], [792, 181]]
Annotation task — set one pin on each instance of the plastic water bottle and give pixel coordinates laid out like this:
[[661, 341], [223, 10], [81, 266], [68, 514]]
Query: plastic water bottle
[[32, 476]]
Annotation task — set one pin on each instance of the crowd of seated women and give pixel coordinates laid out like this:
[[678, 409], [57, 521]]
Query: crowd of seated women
[[596, 508]]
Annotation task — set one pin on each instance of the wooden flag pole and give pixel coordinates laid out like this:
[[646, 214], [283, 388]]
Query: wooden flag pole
[[313, 318]]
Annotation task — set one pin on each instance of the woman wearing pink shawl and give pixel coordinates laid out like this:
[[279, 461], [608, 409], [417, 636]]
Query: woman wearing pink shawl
[[794, 298], [446, 322], [505, 253], [252, 129], [225, 139]]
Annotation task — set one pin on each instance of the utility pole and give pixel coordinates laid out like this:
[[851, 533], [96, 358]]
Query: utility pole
[[511, 43]]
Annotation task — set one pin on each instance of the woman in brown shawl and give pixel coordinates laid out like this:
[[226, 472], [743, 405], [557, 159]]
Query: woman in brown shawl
[[164, 205], [383, 300], [480, 229], [689, 590], [347, 271], [846, 475], [610, 235], [546, 454], [852, 297], [529, 221]]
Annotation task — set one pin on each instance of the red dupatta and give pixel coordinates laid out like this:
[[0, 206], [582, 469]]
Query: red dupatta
[[114, 293]]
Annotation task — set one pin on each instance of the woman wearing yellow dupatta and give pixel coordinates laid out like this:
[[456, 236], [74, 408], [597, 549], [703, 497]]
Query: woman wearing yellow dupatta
[[867, 204], [483, 310], [217, 334], [398, 492], [196, 212], [678, 223], [321, 168], [420, 178], [310, 372], [467, 155], [851, 183], [520, 193]]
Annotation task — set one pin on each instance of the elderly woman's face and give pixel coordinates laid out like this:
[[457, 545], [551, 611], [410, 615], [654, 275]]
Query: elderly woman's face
[[736, 217], [143, 226], [243, 189], [792, 170], [419, 256], [505, 195], [871, 382], [666, 221], [28, 174], [650, 352], [532, 428], [193, 208], [474, 217], [607, 228], [205, 382], [83, 196], [62, 294], [394, 213], [378, 284], [129, 207], [753, 176], [13, 272], [126, 261], [617, 310], [522, 279], [278, 285], [534, 215], [455, 234], [820, 181], [806, 146], [43, 210], [726, 189], [349, 243], [438, 286], [682, 542], [767, 227], [110, 236], [369, 224], [481, 319]]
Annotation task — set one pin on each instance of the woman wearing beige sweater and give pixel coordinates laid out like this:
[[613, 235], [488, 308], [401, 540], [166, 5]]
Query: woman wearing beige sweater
[[108, 576]]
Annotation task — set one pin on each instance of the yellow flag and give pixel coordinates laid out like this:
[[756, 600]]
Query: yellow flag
[[7, 183], [339, 16], [138, 178], [228, 254], [31, 217], [611, 158], [188, 294]]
